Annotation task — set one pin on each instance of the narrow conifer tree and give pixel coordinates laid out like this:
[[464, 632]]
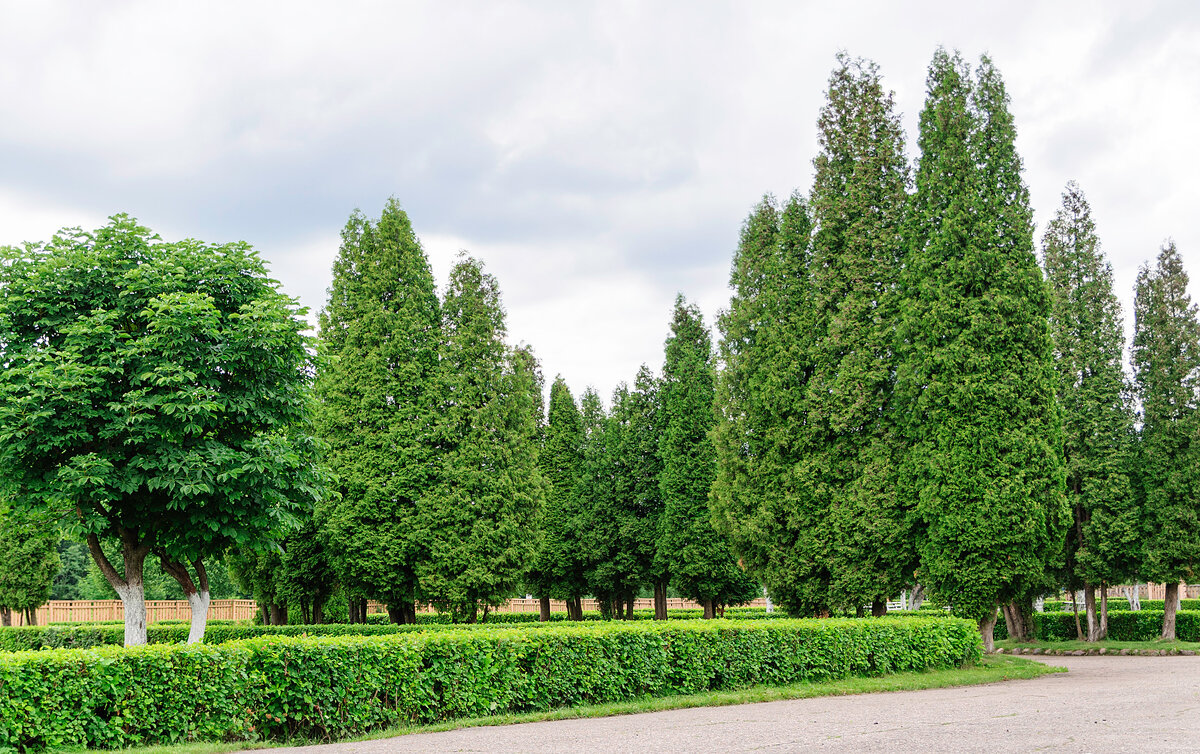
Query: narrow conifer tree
[[559, 568], [1085, 319], [858, 204], [1166, 368], [487, 492], [379, 346], [766, 357], [638, 467], [700, 561], [976, 381]]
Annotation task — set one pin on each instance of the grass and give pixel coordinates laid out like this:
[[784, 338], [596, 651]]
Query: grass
[[1107, 644], [991, 670]]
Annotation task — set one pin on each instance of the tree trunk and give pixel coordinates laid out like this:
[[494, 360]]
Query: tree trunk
[[660, 600], [987, 632], [197, 594], [859, 611], [265, 613], [916, 597], [5, 616], [1179, 595], [395, 614], [575, 608], [1075, 609], [1018, 617], [708, 610], [279, 614], [1103, 612], [629, 603], [1170, 604], [544, 609], [878, 608], [31, 616], [130, 588], [410, 612], [1089, 602], [1133, 594], [318, 610]]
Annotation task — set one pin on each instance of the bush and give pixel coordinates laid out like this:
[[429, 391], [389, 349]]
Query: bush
[[282, 687], [1123, 625]]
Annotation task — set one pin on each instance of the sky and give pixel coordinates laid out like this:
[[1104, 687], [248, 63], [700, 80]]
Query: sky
[[598, 157]]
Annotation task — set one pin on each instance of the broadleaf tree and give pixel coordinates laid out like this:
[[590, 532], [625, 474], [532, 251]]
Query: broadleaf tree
[[156, 394]]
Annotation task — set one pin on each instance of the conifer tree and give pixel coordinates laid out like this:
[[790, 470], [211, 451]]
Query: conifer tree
[[379, 341], [976, 381], [488, 490], [1085, 320], [1166, 368], [858, 203], [637, 471], [28, 562], [700, 561], [559, 570], [766, 355]]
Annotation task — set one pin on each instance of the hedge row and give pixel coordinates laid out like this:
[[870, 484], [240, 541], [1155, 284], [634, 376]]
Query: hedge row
[[84, 635], [281, 687], [1123, 625]]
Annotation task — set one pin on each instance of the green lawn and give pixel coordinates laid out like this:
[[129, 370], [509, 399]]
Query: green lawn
[[991, 670]]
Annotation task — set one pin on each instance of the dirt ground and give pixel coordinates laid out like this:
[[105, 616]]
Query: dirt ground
[[1104, 704]]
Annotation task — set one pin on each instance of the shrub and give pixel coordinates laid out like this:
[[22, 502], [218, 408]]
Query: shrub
[[1123, 625], [280, 687]]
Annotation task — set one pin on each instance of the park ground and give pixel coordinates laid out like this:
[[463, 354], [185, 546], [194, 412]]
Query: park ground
[[1103, 704]]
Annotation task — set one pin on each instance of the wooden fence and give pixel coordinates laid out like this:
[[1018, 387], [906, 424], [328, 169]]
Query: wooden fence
[[91, 611]]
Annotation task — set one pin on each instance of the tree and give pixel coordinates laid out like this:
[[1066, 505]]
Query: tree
[[637, 492], [155, 394], [73, 559], [858, 204], [700, 561], [28, 562], [1085, 320], [379, 338], [487, 490], [1166, 370], [772, 520], [975, 382], [559, 570]]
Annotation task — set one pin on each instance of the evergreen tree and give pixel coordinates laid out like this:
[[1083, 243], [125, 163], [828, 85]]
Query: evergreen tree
[[1166, 368], [1085, 320], [28, 562], [559, 570], [976, 381], [700, 561], [637, 492], [858, 203], [766, 345], [487, 492], [379, 341]]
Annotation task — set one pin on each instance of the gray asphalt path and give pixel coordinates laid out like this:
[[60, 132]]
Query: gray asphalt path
[[1104, 704]]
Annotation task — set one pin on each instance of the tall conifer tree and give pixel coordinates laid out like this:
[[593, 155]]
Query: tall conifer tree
[[559, 567], [1085, 319], [484, 501], [379, 340], [765, 351], [976, 378], [701, 563], [1166, 368], [858, 203], [637, 470]]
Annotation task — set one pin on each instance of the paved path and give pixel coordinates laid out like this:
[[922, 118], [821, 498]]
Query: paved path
[[1104, 704]]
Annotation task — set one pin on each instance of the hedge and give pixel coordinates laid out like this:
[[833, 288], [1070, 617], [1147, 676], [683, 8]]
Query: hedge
[[1123, 625], [277, 688], [84, 635]]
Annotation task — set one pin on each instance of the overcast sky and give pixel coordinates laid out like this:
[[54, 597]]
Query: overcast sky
[[598, 157]]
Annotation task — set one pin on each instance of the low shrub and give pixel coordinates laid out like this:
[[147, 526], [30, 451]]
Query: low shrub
[[1123, 625], [283, 687]]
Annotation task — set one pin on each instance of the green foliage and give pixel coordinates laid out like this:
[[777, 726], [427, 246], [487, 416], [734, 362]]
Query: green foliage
[[1085, 320], [858, 205], [28, 558], [1123, 625], [1166, 365], [560, 567], [154, 392], [765, 351], [73, 560], [280, 688], [975, 382], [487, 491], [699, 559], [379, 341]]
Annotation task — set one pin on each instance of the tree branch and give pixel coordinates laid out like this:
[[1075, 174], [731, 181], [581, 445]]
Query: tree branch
[[201, 574], [106, 568], [177, 571]]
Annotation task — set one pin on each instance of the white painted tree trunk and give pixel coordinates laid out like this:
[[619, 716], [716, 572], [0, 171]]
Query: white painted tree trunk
[[133, 599], [916, 597], [130, 587], [198, 601], [1039, 605], [1134, 595]]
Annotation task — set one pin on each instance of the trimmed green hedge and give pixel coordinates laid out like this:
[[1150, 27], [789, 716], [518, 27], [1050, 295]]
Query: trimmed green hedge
[[84, 635], [280, 687], [1123, 625]]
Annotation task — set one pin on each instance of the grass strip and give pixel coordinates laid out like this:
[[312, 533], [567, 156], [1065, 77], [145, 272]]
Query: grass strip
[[991, 669]]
